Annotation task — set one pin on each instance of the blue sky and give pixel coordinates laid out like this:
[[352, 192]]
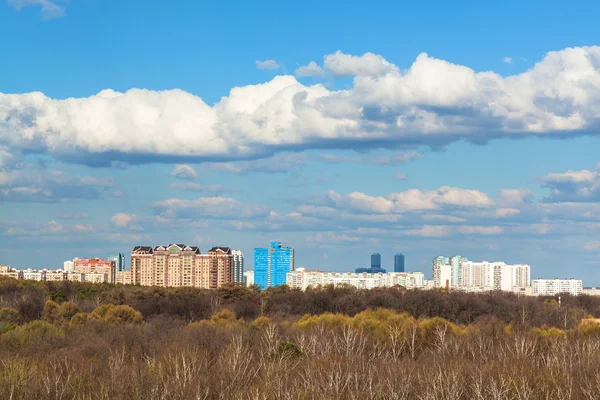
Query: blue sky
[[341, 129]]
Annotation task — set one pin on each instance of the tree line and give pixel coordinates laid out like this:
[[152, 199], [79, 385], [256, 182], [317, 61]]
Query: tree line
[[70, 340]]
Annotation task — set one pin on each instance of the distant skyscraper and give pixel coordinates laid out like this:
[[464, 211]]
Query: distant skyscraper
[[119, 260], [375, 261], [238, 266], [399, 263], [272, 264]]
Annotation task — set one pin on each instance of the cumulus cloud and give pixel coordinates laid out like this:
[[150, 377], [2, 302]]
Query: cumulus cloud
[[185, 172], [573, 186], [50, 9], [411, 200], [507, 60], [121, 220], [369, 64], [312, 69], [210, 207], [433, 103], [401, 176], [267, 64]]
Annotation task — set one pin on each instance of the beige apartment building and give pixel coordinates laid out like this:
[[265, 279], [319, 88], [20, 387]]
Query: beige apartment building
[[123, 277], [178, 265], [96, 265], [56, 275]]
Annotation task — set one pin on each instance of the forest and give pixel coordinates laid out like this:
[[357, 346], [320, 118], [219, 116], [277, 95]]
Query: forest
[[70, 340]]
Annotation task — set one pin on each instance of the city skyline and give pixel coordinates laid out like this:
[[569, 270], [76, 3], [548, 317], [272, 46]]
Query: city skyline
[[343, 140]]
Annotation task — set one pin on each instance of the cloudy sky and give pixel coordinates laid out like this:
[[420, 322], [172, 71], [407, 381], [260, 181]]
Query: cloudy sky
[[340, 129]]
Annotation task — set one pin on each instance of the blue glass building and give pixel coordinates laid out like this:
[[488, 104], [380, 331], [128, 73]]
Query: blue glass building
[[271, 264], [399, 263], [375, 261], [119, 260]]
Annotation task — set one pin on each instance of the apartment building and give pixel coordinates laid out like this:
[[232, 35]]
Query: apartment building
[[178, 265], [96, 265], [56, 275], [303, 279], [123, 277], [553, 287], [462, 274]]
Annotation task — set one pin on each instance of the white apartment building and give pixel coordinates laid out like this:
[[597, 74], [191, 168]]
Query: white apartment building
[[459, 273], [34, 275], [249, 277], [303, 279], [552, 287], [238, 266], [69, 266]]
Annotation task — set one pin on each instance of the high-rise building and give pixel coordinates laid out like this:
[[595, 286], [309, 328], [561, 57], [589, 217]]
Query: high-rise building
[[238, 266], [271, 264], [375, 261], [178, 265], [399, 263], [119, 260]]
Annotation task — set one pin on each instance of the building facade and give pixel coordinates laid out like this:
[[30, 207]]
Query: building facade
[[553, 287], [303, 279], [271, 264], [238, 266], [375, 261], [119, 260], [69, 266], [91, 265], [178, 265], [249, 278], [399, 263], [459, 273]]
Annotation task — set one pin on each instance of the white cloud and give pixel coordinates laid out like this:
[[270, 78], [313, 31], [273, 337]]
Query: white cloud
[[312, 69], [369, 64], [280, 163], [514, 196], [122, 220], [401, 176], [411, 200], [398, 158], [267, 64], [185, 172], [210, 207], [592, 246], [573, 186], [433, 103], [195, 187], [507, 60], [36, 184], [506, 212], [49, 9]]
